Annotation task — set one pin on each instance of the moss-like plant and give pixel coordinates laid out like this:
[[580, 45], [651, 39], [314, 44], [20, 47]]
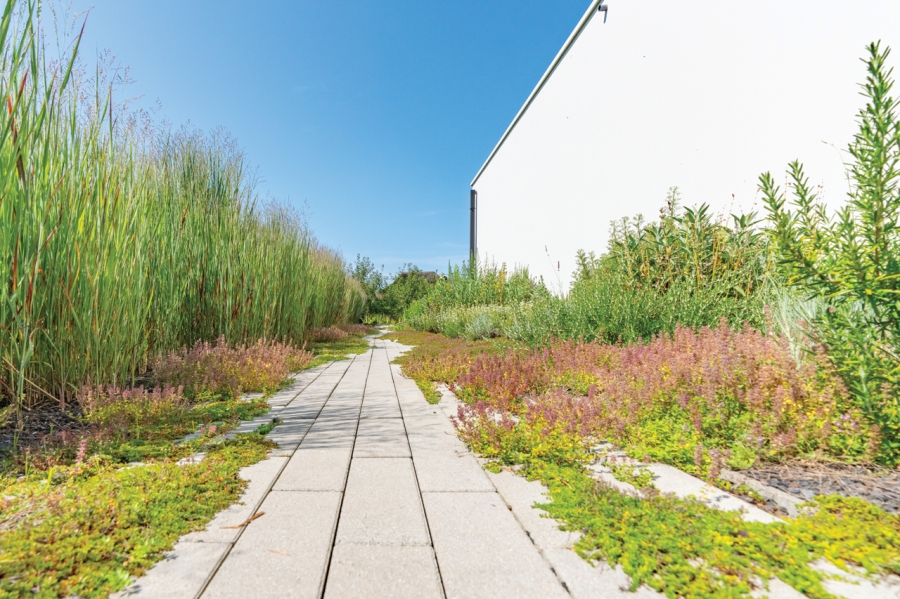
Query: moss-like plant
[[685, 549], [84, 530]]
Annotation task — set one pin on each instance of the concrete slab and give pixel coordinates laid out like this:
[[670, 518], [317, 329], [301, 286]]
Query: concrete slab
[[396, 572], [330, 434], [381, 438], [248, 426], [851, 586], [669, 479], [180, 575], [520, 495], [382, 504], [312, 469], [446, 468], [582, 579], [585, 581], [303, 408], [283, 553], [290, 433], [483, 552], [428, 422], [341, 410], [260, 477], [380, 408]]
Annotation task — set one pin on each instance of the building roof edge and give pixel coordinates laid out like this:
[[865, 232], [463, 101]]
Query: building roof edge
[[559, 56]]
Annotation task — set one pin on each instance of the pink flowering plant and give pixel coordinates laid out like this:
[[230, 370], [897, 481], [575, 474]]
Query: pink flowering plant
[[221, 369], [699, 400]]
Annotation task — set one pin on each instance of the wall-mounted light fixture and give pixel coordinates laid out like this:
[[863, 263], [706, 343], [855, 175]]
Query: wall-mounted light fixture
[[604, 9]]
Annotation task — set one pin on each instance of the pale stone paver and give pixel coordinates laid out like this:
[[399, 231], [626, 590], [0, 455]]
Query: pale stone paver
[[483, 551], [316, 469], [397, 571], [583, 580], [182, 574], [285, 552], [382, 505], [381, 438]]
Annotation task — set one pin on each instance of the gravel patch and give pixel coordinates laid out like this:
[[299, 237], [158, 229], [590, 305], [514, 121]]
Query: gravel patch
[[808, 479]]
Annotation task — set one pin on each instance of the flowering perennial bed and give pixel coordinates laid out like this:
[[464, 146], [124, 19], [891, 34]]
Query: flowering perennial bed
[[697, 400]]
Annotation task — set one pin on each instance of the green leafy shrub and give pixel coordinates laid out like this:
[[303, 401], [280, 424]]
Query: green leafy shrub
[[479, 284], [851, 260], [688, 269]]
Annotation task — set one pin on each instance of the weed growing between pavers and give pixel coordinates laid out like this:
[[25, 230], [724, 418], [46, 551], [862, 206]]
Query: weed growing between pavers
[[84, 530], [636, 476]]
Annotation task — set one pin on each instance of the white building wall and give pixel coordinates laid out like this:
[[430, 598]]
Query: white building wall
[[702, 94]]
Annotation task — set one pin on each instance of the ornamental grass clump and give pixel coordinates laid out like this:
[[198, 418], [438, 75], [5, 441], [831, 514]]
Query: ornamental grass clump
[[692, 399], [222, 369]]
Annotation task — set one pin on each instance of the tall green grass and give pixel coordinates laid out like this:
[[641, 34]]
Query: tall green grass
[[115, 247]]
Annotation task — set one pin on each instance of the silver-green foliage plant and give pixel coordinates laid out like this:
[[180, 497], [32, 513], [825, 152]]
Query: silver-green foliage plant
[[852, 260], [117, 245]]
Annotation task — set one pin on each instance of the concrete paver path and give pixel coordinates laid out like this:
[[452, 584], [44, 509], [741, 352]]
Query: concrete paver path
[[371, 494]]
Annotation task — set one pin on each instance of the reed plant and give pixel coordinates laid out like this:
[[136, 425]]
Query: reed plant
[[117, 246]]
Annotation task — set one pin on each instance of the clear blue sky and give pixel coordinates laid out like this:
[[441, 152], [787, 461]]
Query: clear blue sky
[[376, 115]]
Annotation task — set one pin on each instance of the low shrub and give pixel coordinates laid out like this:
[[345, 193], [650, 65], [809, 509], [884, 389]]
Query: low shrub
[[229, 370], [469, 322], [118, 410], [358, 330], [683, 548], [438, 358]]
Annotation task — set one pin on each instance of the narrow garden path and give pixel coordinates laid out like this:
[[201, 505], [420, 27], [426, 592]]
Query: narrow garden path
[[371, 494]]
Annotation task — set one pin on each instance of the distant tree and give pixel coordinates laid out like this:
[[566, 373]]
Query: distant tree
[[371, 278]]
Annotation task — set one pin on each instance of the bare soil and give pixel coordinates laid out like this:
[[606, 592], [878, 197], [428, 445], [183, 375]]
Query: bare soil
[[40, 421]]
